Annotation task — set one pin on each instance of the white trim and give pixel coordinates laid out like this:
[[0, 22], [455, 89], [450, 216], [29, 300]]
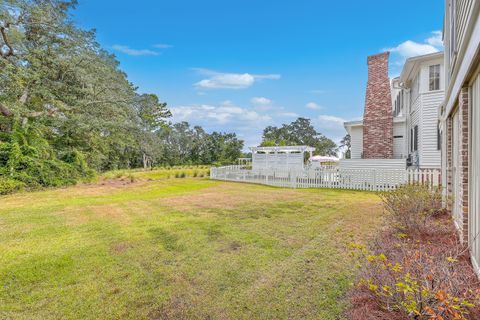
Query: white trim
[[467, 59]]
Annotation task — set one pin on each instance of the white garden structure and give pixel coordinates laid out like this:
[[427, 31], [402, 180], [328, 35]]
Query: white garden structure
[[280, 158], [286, 167]]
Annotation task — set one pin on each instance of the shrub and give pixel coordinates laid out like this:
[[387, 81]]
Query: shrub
[[411, 208], [417, 267], [183, 175], [417, 282], [195, 173], [10, 186]]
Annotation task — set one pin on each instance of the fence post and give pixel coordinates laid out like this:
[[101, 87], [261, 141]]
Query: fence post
[[374, 179]]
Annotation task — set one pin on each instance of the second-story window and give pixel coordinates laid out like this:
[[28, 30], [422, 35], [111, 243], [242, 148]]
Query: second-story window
[[434, 77], [415, 138]]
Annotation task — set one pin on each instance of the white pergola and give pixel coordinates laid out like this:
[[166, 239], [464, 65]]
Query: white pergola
[[280, 157]]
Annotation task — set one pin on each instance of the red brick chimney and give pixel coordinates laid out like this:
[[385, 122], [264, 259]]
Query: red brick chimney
[[378, 117]]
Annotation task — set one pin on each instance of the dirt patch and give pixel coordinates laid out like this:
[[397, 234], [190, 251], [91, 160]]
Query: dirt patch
[[229, 196], [120, 247], [232, 246], [81, 215], [110, 212]]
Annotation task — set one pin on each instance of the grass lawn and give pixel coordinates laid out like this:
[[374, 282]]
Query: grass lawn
[[179, 249]]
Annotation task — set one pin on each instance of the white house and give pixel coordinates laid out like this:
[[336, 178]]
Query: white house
[[422, 92], [460, 119], [416, 95]]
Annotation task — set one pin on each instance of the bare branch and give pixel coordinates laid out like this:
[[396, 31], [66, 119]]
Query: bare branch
[[5, 111], [3, 33], [24, 96]]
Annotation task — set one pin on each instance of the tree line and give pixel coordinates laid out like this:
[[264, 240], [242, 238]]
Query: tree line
[[67, 110]]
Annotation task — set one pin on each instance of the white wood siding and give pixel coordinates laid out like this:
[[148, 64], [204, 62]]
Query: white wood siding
[[429, 153], [399, 150], [356, 142], [464, 10], [424, 113], [474, 179], [373, 164], [414, 120]]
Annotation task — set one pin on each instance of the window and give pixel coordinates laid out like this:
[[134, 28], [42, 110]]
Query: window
[[439, 137], [411, 140], [434, 77], [415, 138]]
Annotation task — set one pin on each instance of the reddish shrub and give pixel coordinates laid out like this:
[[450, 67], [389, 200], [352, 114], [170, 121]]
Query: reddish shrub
[[417, 268]]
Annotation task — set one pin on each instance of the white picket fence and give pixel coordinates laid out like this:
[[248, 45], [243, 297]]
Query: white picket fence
[[357, 179]]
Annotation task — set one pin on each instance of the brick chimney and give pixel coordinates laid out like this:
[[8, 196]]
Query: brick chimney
[[378, 118]]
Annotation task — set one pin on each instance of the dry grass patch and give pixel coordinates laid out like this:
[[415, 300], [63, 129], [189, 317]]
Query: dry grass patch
[[180, 249]]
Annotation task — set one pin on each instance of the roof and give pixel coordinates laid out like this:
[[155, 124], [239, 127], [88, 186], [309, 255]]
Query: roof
[[356, 123], [412, 64], [283, 149]]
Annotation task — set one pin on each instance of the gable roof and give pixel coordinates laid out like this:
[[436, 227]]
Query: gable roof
[[413, 63]]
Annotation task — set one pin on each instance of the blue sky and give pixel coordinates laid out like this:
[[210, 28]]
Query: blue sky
[[242, 65]]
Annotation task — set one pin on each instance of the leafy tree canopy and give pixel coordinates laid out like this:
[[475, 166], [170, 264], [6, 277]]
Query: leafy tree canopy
[[299, 132], [66, 108]]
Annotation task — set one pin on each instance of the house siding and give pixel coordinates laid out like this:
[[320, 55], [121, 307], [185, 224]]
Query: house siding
[[461, 161], [399, 150], [356, 136], [429, 154], [463, 13], [474, 178], [414, 120], [399, 164]]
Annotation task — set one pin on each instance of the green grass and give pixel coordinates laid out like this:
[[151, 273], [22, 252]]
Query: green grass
[[179, 249]]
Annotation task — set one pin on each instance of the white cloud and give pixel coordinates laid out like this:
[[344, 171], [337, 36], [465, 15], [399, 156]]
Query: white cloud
[[162, 46], [411, 48], [225, 117], [260, 101], [225, 113], [288, 114], [220, 80], [436, 39], [134, 52], [330, 126], [313, 106]]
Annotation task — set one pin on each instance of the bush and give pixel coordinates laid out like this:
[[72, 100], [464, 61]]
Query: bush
[[417, 267], [411, 208], [418, 281], [8, 186], [27, 160]]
